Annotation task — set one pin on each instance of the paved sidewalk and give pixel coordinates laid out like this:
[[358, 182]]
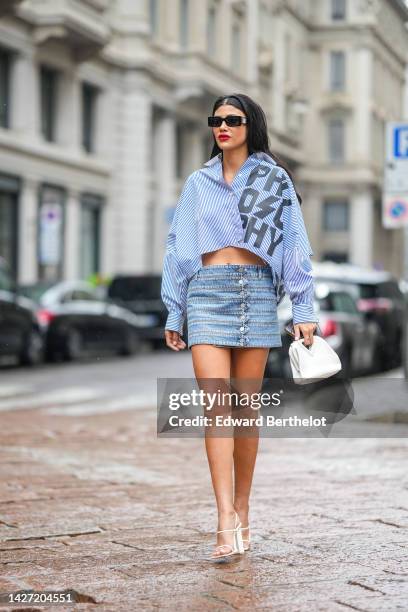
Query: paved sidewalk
[[98, 504]]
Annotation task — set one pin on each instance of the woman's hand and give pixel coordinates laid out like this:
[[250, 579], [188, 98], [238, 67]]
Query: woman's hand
[[306, 329], [174, 340]]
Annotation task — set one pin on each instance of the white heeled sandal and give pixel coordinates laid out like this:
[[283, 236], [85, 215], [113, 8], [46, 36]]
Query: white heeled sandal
[[248, 539], [238, 547]]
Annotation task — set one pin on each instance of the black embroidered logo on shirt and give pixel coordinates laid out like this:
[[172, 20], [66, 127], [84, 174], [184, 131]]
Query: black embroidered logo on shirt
[[254, 213]]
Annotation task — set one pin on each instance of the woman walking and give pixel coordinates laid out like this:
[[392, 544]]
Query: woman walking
[[237, 243]]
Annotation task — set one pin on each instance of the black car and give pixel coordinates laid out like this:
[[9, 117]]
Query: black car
[[76, 322], [141, 293], [20, 334]]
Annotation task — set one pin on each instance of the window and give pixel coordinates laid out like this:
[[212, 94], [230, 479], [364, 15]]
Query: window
[[389, 289], [337, 70], [89, 109], [184, 18], [336, 256], [211, 30], [336, 215], [343, 302], [66, 297], [90, 234], [48, 80], [338, 10], [9, 196], [5, 60], [133, 288], [82, 295], [236, 45], [336, 140], [154, 17]]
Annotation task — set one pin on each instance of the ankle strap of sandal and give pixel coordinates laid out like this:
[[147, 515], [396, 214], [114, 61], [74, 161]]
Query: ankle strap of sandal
[[222, 530]]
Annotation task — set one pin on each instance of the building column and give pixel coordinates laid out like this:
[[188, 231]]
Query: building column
[[170, 18], [224, 34], [27, 231], [132, 14], [197, 25], [279, 77], [130, 153], [362, 228], [72, 235], [194, 148], [107, 262], [165, 142], [252, 9], [25, 115], [363, 97]]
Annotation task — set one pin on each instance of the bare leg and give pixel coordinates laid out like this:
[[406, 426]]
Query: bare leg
[[247, 363], [212, 362]]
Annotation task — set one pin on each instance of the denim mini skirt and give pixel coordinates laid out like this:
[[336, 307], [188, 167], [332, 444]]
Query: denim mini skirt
[[233, 305]]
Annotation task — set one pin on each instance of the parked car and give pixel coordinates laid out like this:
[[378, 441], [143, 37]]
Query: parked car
[[141, 294], [379, 298], [20, 334], [354, 337], [76, 321]]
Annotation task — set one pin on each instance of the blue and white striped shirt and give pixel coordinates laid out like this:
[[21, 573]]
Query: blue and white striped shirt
[[258, 211]]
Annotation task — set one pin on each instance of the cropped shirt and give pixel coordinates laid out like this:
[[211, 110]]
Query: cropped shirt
[[258, 211]]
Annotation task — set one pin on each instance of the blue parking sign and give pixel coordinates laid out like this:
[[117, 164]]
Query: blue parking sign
[[395, 188], [401, 141]]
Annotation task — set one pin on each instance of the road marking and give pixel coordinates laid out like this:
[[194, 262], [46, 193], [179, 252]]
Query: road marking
[[14, 390], [67, 395], [136, 401]]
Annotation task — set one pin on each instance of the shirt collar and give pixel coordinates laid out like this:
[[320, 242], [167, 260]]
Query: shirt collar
[[213, 167], [259, 155]]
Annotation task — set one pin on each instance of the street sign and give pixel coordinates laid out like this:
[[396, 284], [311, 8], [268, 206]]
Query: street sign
[[395, 196], [395, 210], [395, 202], [400, 141]]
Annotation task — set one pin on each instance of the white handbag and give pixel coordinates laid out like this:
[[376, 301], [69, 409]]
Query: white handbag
[[310, 364]]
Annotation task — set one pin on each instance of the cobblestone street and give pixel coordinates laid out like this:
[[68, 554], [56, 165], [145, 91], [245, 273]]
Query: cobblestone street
[[94, 502]]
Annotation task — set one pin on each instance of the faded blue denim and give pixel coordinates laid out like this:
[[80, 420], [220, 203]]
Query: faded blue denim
[[233, 305]]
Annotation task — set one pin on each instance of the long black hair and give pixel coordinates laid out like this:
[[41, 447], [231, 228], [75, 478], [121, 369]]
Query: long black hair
[[257, 138]]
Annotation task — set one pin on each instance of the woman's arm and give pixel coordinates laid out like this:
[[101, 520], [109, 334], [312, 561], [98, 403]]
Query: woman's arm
[[296, 267], [174, 280]]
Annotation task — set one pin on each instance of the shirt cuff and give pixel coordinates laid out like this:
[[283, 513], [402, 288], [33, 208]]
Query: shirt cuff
[[303, 313], [175, 321]]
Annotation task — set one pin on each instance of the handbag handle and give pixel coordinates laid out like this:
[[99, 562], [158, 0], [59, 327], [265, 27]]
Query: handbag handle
[[291, 334], [321, 334]]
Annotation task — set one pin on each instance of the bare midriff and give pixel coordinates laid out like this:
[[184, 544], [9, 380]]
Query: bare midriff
[[231, 255]]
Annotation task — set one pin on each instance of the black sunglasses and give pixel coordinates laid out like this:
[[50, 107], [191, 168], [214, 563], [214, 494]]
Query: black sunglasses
[[230, 120]]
